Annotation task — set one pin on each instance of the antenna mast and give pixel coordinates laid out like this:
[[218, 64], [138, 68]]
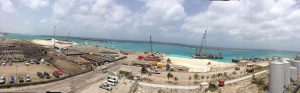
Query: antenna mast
[[54, 36], [151, 49], [203, 40]]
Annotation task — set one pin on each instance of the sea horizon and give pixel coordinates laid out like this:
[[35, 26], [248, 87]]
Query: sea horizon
[[173, 50]]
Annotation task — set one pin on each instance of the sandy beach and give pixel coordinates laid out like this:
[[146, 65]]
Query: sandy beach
[[198, 65], [58, 43]]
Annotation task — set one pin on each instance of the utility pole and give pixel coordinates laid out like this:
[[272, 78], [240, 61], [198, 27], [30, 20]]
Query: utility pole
[[54, 37], [151, 49]]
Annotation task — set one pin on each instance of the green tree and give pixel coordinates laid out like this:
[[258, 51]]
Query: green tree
[[168, 67], [196, 76], [233, 73], [202, 77], [219, 75], [144, 70], [169, 75], [190, 78], [175, 79], [207, 77], [214, 76]]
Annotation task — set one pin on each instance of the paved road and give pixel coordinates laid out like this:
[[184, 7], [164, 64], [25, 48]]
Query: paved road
[[196, 87], [65, 86]]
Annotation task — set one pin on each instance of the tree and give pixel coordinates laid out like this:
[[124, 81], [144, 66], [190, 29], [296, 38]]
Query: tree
[[168, 67], [207, 77], [168, 60], [219, 75], [190, 78], [149, 74], [144, 70], [202, 77], [233, 73], [169, 75], [196, 77], [175, 79], [214, 76]]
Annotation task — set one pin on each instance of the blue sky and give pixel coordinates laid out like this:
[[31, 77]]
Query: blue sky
[[263, 24]]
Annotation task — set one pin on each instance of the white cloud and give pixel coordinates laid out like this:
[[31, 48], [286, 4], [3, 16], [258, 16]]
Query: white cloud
[[43, 21], [7, 6], [36, 4], [260, 22], [61, 9]]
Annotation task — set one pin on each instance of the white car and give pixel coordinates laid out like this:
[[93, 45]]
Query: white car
[[112, 81], [27, 63], [2, 79], [106, 86], [113, 78]]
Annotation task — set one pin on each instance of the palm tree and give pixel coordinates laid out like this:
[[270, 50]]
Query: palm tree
[[169, 75], [214, 76], [196, 77], [202, 77], [175, 79], [190, 78], [233, 73]]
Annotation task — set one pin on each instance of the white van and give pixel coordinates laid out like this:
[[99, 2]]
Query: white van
[[112, 81]]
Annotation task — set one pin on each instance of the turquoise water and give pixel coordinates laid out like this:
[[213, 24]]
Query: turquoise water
[[170, 50]]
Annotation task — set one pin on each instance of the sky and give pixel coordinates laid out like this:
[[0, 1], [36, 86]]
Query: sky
[[257, 24]]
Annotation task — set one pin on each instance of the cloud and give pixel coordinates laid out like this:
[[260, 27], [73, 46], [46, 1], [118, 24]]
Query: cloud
[[61, 8], [43, 21], [259, 22], [7, 6], [36, 4]]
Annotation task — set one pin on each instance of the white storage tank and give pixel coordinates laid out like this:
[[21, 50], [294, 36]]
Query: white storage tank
[[293, 73], [287, 73], [276, 74], [297, 57], [296, 63]]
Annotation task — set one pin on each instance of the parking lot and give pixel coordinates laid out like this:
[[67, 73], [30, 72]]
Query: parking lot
[[19, 69], [122, 87]]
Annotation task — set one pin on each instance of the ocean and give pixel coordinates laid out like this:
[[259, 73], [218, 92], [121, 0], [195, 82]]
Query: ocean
[[170, 50]]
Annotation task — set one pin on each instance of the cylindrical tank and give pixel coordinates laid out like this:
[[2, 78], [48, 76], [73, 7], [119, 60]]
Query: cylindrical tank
[[296, 63], [287, 73], [293, 73], [297, 57], [276, 84]]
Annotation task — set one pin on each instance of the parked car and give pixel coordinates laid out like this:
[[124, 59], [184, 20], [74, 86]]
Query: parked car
[[237, 68], [46, 74], [113, 77], [40, 74], [11, 80], [21, 79], [26, 63], [56, 75], [106, 86], [28, 78], [3, 63], [112, 81], [32, 62], [2, 79]]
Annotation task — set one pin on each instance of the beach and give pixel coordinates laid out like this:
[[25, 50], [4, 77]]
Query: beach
[[58, 43], [199, 65]]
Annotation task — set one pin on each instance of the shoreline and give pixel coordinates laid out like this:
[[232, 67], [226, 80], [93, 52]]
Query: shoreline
[[199, 65]]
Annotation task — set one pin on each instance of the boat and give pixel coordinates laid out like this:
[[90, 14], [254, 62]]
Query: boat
[[236, 60], [202, 55]]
